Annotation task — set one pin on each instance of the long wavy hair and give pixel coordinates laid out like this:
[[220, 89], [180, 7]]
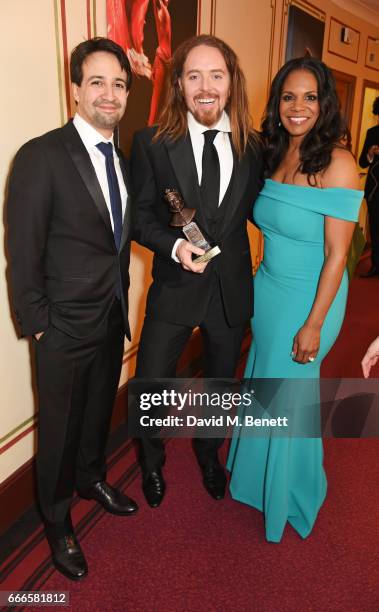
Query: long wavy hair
[[329, 131], [172, 122]]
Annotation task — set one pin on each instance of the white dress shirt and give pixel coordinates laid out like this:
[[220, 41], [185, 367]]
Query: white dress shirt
[[91, 138], [224, 151]]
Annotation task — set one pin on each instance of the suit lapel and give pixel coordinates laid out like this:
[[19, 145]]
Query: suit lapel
[[240, 177], [83, 164], [126, 221], [183, 163]]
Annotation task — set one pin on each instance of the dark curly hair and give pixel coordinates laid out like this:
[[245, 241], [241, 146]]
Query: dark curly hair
[[375, 106], [329, 131]]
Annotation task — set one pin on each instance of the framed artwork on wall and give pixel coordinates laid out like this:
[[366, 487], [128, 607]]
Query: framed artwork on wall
[[343, 40], [149, 31], [372, 53], [305, 34]]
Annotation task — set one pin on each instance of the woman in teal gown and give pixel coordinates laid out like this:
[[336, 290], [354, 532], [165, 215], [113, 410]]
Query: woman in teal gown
[[306, 211]]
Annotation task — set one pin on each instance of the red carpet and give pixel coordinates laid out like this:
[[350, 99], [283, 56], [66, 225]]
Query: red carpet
[[360, 327], [195, 554]]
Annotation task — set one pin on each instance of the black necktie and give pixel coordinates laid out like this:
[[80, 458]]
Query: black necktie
[[114, 190], [210, 177]]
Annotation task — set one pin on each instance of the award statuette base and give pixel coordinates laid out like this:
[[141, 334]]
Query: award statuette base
[[208, 255], [195, 237]]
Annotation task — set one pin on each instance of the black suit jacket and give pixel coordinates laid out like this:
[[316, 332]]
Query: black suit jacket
[[372, 181], [176, 295], [64, 262]]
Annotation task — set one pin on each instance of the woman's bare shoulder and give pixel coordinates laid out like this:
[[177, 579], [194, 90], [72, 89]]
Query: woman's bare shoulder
[[342, 170]]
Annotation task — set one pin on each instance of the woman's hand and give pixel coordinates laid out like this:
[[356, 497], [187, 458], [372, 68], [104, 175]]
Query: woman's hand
[[306, 344], [371, 357]]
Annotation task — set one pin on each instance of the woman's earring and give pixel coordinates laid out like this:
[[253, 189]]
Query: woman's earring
[[279, 124]]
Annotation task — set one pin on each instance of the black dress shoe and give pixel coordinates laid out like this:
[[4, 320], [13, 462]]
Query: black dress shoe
[[214, 480], [371, 272], [111, 499], [153, 487], [68, 557]]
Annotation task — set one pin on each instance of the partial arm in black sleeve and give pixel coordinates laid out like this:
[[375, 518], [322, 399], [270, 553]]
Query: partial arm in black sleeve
[[28, 214], [363, 161], [148, 229]]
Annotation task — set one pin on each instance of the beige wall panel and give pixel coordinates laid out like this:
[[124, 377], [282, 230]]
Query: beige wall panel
[[28, 66], [99, 10], [246, 26], [76, 19], [205, 15], [77, 30]]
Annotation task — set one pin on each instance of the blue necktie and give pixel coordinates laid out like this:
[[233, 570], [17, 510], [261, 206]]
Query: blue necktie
[[114, 190]]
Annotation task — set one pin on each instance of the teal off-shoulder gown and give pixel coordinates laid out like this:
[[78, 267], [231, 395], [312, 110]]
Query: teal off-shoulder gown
[[283, 477]]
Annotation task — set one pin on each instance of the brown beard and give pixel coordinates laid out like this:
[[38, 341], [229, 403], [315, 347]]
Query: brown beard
[[107, 121], [207, 119]]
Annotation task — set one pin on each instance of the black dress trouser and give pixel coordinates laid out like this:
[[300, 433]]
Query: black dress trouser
[[77, 380], [160, 347]]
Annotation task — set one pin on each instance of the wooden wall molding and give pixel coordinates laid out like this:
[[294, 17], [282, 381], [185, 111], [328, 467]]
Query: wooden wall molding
[[376, 42], [198, 17], [310, 8], [272, 34], [213, 17], [345, 25]]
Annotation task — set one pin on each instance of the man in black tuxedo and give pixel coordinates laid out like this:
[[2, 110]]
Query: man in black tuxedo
[[205, 149], [69, 244], [370, 157]]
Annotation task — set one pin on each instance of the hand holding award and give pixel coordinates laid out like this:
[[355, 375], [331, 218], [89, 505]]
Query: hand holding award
[[182, 217]]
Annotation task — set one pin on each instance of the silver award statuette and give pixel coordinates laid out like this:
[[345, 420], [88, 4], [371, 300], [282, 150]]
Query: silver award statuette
[[182, 217]]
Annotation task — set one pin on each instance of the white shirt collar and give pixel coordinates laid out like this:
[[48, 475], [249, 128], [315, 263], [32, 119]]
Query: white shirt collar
[[223, 124], [89, 135]]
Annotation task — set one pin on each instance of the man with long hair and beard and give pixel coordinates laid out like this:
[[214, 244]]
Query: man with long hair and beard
[[205, 149]]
